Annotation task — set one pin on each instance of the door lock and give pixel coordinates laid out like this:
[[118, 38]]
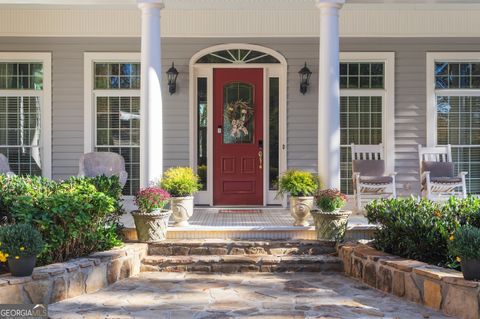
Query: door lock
[[260, 159], [219, 129]]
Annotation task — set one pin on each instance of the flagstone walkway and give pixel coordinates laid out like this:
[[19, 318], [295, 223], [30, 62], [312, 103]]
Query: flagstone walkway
[[249, 295]]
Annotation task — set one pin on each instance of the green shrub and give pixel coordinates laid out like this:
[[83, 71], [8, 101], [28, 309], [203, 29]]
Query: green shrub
[[420, 229], [75, 217], [20, 240], [465, 243], [180, 182], [330, 200], [298, 183]]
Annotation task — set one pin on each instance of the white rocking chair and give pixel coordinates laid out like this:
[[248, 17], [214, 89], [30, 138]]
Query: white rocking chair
[[437, 174], [370, 181], [103, 163], [4, 167]]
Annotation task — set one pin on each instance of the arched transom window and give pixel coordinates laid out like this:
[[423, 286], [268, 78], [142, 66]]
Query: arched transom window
[[239, 56]]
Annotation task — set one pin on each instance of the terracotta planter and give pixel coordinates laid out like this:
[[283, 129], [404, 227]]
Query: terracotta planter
[[471, 269], [22, 267], [331, 226], [300, 208], [182, 208], [152, 227]]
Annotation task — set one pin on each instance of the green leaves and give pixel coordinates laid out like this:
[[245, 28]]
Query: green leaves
[[75, 217], [180, 182], [20, 240], [298, 183], [465, 243], [421, 229]]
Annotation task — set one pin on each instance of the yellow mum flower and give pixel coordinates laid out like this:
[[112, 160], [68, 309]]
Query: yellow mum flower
[[6, 255], [458, 259], [2, 258], [17, 257], [22, 248], [452, 237]]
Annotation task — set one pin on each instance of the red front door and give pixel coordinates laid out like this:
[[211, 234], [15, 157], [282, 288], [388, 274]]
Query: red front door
[[238, 137]]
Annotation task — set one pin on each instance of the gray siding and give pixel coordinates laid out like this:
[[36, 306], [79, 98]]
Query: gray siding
[[410, 114]]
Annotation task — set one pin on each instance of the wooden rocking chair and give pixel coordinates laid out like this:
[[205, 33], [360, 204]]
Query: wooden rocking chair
[[370, 181], [437, 174]]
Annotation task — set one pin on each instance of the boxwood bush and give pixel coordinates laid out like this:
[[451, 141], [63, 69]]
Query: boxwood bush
[[421, 229], [75, 217]]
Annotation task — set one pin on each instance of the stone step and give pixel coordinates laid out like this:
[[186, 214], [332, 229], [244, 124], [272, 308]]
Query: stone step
[[242, 247], [236, 263]]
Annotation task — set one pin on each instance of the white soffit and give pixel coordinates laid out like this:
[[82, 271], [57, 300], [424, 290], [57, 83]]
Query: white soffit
[[240, 18]]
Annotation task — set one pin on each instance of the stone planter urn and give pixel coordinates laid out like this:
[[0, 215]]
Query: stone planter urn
[[182, 210], [331, 226], [300, 208], [21, 267], [471, 269], [151, 227]]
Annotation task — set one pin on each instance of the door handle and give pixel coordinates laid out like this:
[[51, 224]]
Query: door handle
[[260, 159]]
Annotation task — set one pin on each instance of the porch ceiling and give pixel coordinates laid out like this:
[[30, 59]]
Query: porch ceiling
[[246, 4]]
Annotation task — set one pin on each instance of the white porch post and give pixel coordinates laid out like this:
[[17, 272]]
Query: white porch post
[[329, 94], [151, 119]]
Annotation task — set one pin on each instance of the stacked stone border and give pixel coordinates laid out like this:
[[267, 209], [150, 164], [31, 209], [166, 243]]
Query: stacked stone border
[[435, 287], [56, 282]]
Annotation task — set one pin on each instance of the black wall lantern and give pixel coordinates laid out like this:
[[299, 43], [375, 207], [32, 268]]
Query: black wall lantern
[[172, 74], [304, 74]]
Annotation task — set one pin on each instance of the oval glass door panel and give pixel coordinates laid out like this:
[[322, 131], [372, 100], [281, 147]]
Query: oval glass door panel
[[238, 113]]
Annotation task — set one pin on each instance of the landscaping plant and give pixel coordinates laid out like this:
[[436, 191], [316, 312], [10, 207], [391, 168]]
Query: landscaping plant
[[421, 229], [331, 200], [298, 183], [75, 217], [465, 243], [151, 199], [19, 240], [180, 182]]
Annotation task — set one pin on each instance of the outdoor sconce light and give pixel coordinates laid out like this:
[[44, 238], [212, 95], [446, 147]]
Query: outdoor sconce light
[[304, 74], [172, 74]]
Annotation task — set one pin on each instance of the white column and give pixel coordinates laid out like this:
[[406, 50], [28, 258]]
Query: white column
[[329, 94], [151, 119]]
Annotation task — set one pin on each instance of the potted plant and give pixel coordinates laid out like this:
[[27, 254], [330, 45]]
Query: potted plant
[[19, 246], [464, 245], [301, 186], [151, 219], [330, 221], [181, 183]]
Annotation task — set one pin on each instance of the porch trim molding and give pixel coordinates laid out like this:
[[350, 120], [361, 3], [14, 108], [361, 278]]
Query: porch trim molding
[[431, 58], [46, 97], [356, 21], [205, 70]]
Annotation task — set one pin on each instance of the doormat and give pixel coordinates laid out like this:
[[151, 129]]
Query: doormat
[[240, 211]]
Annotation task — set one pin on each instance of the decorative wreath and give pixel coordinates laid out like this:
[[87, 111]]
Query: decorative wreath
[[238, 114]]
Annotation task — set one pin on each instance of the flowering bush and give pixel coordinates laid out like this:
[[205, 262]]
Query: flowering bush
[[151, 198], [330, 200], [180, 181], [465, 243], [19, 240]]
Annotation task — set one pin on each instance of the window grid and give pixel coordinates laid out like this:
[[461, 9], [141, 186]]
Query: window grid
[[118, 131], [360, 123], [458, 124], [114, 76], [463, 75], [355, 75], [21, 76]]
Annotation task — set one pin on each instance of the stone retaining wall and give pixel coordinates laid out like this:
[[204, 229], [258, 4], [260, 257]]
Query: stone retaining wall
[[76, 277], [435, 287]]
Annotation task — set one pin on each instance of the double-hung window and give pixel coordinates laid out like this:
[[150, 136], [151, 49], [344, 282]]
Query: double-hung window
[[366, 107], [25, 112], [113, 113], [453, 109]]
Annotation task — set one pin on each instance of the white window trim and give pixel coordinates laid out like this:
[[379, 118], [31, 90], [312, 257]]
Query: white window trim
[[388, 93], [206, 70], [46, 112], [431, 58], [89, 126]]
